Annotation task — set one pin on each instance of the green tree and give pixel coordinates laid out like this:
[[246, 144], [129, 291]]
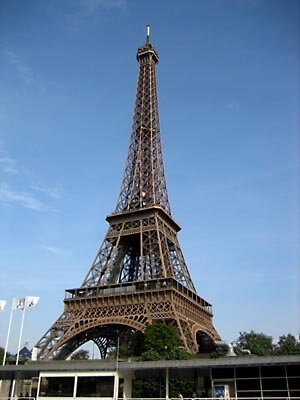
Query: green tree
[[220, 351], [178, 354], [149, 387], [155, 387], [287, 345], [80, 355], [258, 343], [8, 355], [150, 355], [1, 354], [161, 338], [181, 385]]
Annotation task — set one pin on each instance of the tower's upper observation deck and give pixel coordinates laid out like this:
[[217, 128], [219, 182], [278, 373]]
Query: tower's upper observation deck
[[147, 49]]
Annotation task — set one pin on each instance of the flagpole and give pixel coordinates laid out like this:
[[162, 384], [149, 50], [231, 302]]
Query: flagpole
[[21, 331], [19, 346], [8, 333]]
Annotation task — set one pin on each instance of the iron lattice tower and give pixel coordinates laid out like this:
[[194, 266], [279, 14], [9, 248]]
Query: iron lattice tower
[[139, 274]]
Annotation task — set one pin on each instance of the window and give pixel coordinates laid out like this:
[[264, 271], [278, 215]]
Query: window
[[279, 383], [295, 393], [222, 373], [247, 384], [121, 387], [249, 394], [57, 386], [275, 394], [95, 386], [293, 370], [247, 372], [294, 383], [273, 371]]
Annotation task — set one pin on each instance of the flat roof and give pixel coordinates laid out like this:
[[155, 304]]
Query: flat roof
[[107, 365]]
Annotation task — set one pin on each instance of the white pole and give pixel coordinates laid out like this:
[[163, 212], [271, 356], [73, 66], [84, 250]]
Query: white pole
[[8, 333], [18, 353], [116, 377], [118, 349], [12, 389], [167, 383], [21, 331]]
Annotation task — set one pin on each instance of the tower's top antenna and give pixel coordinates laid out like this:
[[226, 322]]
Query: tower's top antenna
[[146, 49], [148, 34]]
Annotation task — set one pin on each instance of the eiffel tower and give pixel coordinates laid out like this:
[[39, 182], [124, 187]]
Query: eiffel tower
[[139, 275]]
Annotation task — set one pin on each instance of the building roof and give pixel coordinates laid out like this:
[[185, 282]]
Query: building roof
[[24, 353], [107, 365]]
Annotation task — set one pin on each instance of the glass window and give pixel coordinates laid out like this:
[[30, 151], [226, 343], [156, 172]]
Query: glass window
[[295, 393], [61, 386], [247, 372], [247, 384], [279, 383], [121, 388], [294, 383], [293, 370], [276, 394], [248, 394], [95, 386], [273, 371], [222, 373]]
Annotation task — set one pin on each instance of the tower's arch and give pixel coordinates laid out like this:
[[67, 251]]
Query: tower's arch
[[106, 336]]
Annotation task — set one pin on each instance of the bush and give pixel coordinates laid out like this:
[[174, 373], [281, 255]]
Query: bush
[[148, 387], [220, 351], [150, 355], [184, 386], [178, 354]]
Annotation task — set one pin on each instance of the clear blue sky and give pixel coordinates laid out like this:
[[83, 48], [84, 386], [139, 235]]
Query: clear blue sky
[[228, 91]]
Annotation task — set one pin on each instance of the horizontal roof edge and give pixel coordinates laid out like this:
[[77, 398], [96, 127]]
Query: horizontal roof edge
[[98, 365]]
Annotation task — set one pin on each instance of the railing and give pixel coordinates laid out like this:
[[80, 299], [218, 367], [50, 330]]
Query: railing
[[214, 398], [164, 398], [17, 398], [134, 287]]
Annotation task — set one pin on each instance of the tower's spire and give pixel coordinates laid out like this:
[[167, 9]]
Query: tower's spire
[[144, 183]]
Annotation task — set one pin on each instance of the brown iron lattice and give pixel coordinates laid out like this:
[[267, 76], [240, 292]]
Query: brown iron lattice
[[139, 274]]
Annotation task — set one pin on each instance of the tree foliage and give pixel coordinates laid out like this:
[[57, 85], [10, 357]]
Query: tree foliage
[[258, 343], [161, 338], [154, 387], [178, 354], [80, 355], [150, 355], [181, 385], [129, 346], [8, 355], [220, 351], [149, 387], [1, 354], [287, 345]]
